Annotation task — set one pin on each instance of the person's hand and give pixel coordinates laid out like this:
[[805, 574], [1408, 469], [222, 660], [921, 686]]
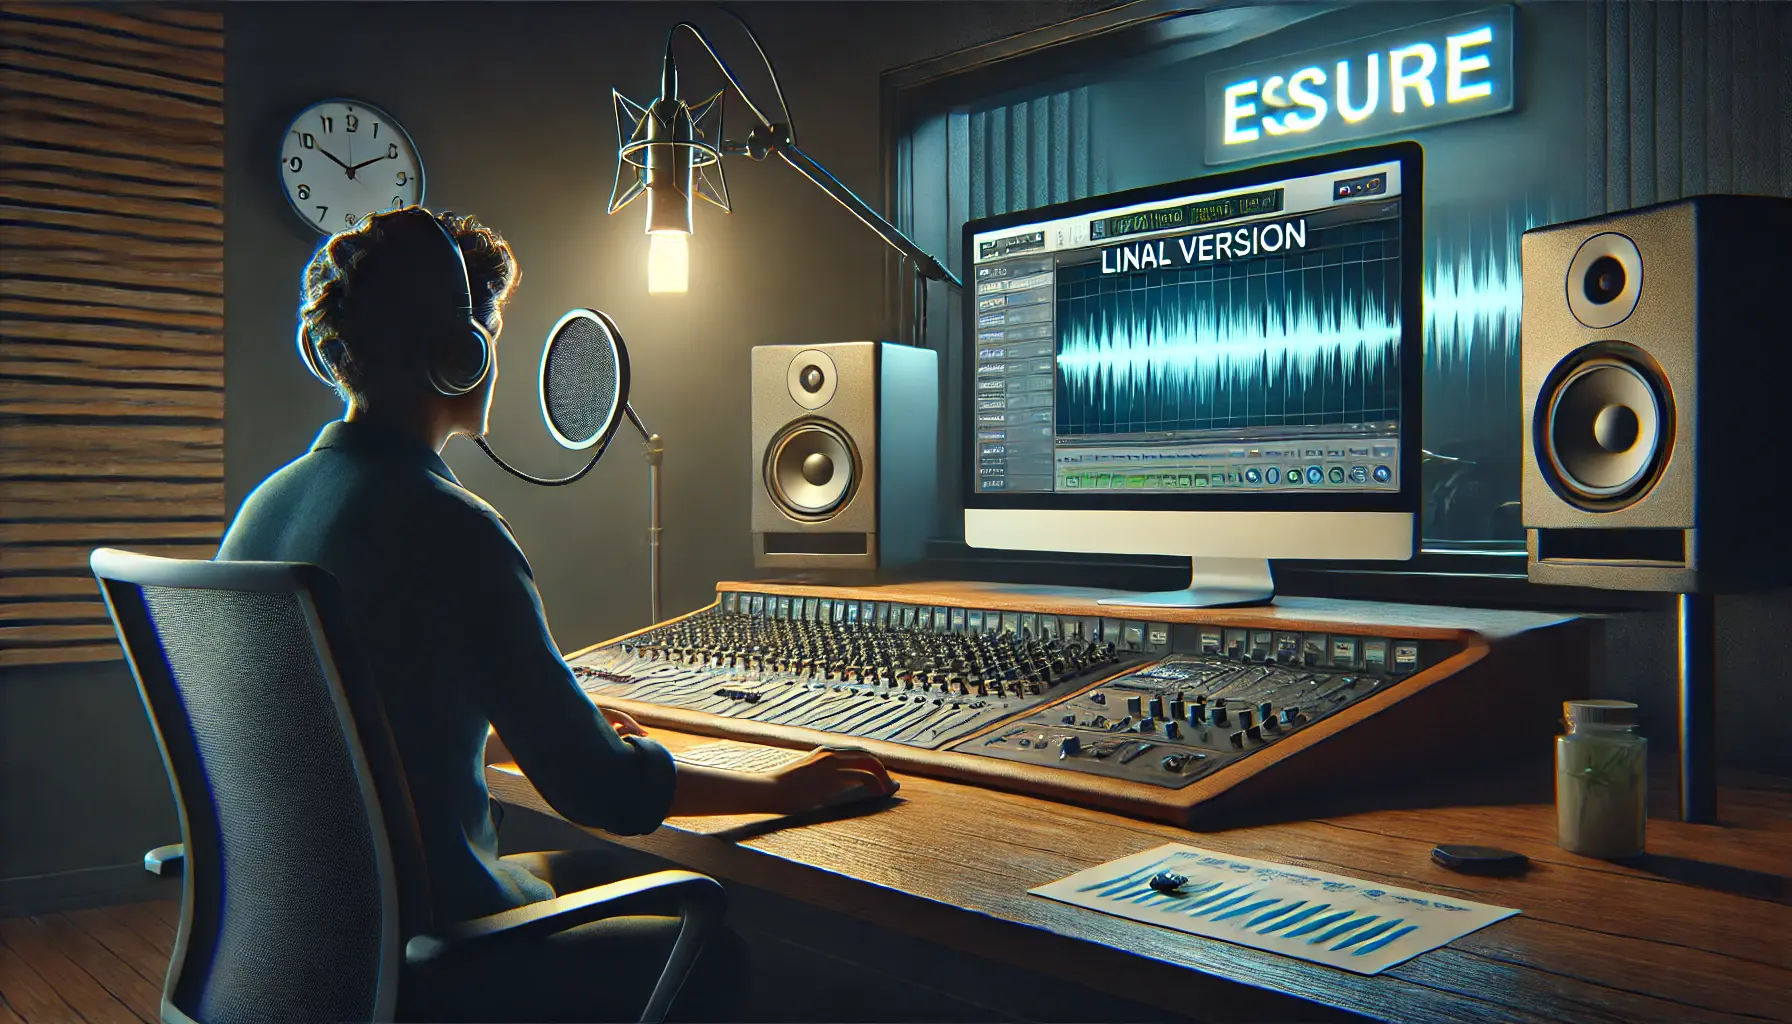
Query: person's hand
[[621, 722], [825, 776]]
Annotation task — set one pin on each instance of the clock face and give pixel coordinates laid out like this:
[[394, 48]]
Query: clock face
[[341, 160]]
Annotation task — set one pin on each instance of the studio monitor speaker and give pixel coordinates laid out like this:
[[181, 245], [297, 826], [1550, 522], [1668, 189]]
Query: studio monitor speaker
[[1657, 363], [843, 454]]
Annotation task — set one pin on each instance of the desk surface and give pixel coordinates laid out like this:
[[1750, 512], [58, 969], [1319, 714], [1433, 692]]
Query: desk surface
[[1698, 931]]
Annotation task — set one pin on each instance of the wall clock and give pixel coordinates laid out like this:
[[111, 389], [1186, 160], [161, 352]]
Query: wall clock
[[341, 160]]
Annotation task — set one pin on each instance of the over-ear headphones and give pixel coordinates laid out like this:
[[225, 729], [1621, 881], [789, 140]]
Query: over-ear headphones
[[458, 351]]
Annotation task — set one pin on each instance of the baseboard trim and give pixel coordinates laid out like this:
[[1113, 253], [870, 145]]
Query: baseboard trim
[[87, 887]]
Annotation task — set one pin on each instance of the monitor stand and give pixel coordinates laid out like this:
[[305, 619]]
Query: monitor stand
[[1214, 583]]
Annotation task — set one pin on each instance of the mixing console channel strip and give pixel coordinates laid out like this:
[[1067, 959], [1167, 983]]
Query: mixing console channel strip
[[916, 675], [1158, 717]]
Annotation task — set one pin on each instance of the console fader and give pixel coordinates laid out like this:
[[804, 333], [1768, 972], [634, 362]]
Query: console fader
[[1140, 715], [909, 674]]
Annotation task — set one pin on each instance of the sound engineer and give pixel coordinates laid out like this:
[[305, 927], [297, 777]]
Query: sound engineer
[[442, 599]]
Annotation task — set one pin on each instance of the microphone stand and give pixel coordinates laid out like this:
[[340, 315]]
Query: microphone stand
[[655, 449]]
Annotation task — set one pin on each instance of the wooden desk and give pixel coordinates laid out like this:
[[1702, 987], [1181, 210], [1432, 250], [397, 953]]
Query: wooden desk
[[1702, 930]]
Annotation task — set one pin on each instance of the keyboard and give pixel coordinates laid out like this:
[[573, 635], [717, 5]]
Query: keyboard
[[740, 757]]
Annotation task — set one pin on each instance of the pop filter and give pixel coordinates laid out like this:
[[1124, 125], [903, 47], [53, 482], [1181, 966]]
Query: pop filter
[[583, 389], [584, 379]]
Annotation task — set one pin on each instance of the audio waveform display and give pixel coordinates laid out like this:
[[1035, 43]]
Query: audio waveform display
[[1474, 294], [1309, 338]]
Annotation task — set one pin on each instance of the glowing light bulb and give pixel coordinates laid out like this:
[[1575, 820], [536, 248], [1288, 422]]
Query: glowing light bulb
[[668, 263]]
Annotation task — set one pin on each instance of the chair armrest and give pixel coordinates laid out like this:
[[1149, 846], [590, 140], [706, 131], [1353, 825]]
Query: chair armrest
[[165, 860], [697, 898]]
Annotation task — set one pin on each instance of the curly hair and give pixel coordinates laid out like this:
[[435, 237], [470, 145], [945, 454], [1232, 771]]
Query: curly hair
[[352, 308]]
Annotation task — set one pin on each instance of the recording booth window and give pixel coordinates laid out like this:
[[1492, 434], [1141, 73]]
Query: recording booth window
[[1019, 133]]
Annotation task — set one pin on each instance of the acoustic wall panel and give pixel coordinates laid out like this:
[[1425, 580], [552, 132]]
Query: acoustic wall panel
[[111, 307]]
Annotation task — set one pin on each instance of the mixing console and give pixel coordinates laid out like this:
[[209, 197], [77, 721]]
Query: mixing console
[[932, 677], [1141, 716], [1176, 721], [914, 675]]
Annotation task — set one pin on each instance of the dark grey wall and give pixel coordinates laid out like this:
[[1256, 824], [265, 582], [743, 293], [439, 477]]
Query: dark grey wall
[[82, 790], [509, 104]]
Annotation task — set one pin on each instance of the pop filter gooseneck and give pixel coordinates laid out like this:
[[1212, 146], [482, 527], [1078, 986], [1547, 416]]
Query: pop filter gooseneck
[[584, 385]]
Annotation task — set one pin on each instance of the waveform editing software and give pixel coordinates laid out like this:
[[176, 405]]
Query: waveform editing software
[[1240, 349], [1243, 340]]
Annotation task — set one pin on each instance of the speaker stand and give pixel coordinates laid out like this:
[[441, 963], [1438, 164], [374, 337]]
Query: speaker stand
[[1698, 706], [1213, 583]]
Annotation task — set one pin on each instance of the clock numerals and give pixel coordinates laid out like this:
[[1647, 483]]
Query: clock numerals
[[392, 151], [376, 129], [398, 202], [329, 123], [349, 219], [351, 122], [306, 139], [304, 191], [322, 212], [403, 178], [294, 164]]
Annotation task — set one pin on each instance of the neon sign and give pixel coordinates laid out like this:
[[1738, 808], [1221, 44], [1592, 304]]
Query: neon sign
[[1442, 71]]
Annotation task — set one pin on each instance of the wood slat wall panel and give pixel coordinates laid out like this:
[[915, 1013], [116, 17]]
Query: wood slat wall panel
[[95, 66], [73, 42], [40, 266], [111, 307], [105, 162]]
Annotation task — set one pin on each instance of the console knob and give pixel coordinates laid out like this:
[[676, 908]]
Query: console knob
[[1244, 718], [1172, 730], [1289, 715], [1098, 697], [1264, 710], [1134, 706], [1176, 708], [1218, 716], [1069, 746], [1147, 725], [1237, 739], [1157, 707]]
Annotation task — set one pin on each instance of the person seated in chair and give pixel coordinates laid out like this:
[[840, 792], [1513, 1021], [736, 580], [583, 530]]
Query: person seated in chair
[[446, 613]]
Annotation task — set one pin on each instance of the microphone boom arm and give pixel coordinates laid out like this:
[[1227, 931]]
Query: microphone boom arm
[[804, 164], [770, 138]]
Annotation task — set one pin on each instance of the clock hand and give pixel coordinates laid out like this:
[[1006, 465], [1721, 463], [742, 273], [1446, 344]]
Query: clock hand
[[332, 156], [364, 163]]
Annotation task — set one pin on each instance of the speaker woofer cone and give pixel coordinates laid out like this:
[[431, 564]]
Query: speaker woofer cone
[[811, 469], [1605, 432]]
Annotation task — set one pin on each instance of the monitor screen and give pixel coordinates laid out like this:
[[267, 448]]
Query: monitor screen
[[1248, 340]]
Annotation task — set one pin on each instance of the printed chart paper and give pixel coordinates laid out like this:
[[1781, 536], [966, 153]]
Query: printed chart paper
[[1327, 919]]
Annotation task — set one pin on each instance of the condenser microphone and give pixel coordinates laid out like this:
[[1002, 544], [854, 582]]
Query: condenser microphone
[[583, 389], [668, 150]]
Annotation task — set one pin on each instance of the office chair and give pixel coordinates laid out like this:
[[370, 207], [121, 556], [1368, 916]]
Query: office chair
[[306, 894]]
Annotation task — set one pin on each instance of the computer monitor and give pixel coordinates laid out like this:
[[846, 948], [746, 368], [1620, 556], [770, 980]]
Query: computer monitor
[[1226, 368]]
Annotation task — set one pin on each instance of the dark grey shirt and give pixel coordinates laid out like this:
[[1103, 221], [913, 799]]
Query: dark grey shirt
[[446, 613]]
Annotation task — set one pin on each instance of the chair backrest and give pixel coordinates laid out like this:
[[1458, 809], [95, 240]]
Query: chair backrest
[[303, 861]]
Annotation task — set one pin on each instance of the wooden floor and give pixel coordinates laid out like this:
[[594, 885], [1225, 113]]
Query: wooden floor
[[93, 966]]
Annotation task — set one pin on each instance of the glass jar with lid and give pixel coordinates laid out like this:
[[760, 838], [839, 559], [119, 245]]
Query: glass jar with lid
[[1602, 784]]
